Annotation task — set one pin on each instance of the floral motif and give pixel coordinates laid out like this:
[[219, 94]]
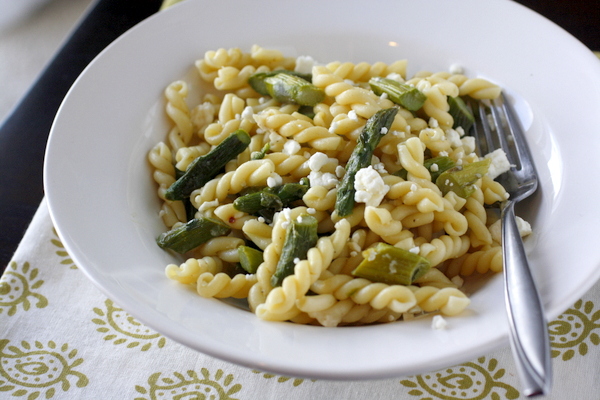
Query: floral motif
[[62, 252], [573, 329], [122, 328], [17, 289], [192, 386], [469, 381], [281, 379], [38, 370]]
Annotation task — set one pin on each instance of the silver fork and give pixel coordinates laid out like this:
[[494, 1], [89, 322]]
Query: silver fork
[[496, 126]]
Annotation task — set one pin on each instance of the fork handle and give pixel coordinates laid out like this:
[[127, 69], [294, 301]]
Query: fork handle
[[528, 327]]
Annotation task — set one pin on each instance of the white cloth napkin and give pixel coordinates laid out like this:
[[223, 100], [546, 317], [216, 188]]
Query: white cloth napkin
[[61, 338]]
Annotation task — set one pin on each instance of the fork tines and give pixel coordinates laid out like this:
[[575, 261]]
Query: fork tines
[[497, 127]]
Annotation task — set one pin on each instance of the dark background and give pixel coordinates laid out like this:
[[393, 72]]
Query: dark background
[[580, 18], [22, 138]]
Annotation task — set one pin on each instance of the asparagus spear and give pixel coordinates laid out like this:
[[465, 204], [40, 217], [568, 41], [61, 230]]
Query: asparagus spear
[[437, 165], [206, 167], [376, 127], [461, 178], [257, 81], [300, 236], [392, 265], [267, 201], [461, 114], [288, 88], [402, 94], [250, 258], [259, 155], [192, 234]]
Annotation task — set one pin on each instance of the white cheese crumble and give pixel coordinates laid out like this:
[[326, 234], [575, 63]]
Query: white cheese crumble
[[454, 138], [340, 171], [304, 64], [274, 180], [434, 167], [395, 76], [247, 113], [523, 226], [456, 69], [291, 147], [370, 187], [468, 143], [438, 322], [317, 161], [325, 179], [499, 163], [352, 115], [415, 250]]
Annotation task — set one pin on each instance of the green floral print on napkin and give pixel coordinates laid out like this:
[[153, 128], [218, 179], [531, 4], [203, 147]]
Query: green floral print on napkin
[[468, 381], [62, 252], [34, 370], [573, 329], [121, 328], [281, 379], [190, 385], [17, 289]]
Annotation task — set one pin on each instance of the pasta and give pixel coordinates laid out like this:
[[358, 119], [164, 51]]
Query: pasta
[[401, 205]]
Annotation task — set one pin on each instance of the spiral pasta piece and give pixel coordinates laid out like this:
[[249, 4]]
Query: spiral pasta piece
[[189, 271], [298, 127], [251, 173], [221, 285], [489, 258], [282, 300]]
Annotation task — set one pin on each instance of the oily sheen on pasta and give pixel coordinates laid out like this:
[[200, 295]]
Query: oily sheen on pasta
[[399, 204]]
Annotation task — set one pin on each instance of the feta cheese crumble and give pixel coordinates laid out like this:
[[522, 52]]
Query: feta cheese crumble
[[370, 187], [274, 180], [438, 322], [523, 226], [325, 179], [499, 163], [317, 161], [304, 64], [291, 147]]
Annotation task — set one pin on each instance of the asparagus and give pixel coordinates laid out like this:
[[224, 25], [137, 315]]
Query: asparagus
[[309, 111], [461, 114], [392, 265], [250, 258], [461, 178], [266, 201], [259, 155], [437, 165], [402, 94], [300, 236], [287, 88], [206, 167], [376, 127], [192, 234], [257, 81]]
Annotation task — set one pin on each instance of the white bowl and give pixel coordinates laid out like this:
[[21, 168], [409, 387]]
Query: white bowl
[[103, 201]]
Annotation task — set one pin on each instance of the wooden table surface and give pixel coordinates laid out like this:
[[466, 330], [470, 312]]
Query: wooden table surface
[[23, 132]]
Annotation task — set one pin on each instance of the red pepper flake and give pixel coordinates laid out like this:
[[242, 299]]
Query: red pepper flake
[[232, 220]]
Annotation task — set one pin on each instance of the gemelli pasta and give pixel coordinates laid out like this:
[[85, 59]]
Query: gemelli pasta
[[326, 194]]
